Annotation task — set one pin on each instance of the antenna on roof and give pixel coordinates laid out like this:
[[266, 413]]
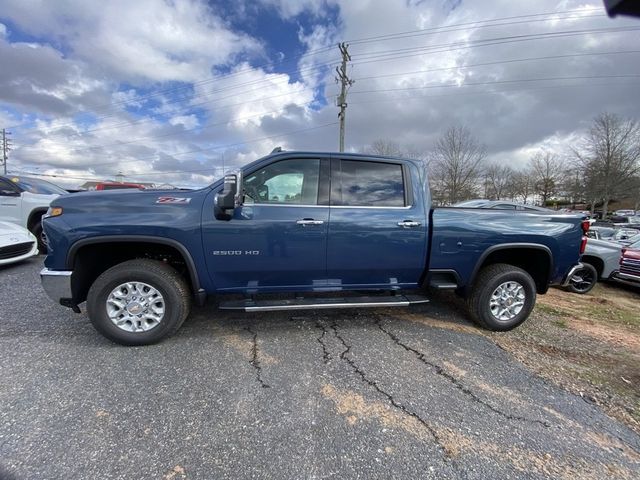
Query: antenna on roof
[[276, 150]]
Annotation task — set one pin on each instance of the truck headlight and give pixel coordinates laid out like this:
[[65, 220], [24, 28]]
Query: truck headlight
[[53, 212]]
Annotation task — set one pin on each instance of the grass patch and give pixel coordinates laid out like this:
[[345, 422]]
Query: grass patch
[[549, 310], [560, 323]]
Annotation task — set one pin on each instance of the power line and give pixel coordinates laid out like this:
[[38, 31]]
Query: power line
[[489, 92], [499, 62], [393, 53], [495, 82], [470, 24]]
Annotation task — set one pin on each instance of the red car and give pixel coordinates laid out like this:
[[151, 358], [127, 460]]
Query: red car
[[629, 270], [117, 185]]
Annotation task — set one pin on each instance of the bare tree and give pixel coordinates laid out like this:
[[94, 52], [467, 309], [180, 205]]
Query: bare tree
[[611, 156], [520, 187], [456, 164], [384, 147], [547, 173], [497, 178]]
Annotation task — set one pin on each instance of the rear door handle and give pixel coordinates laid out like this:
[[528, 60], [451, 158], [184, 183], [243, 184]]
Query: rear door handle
[[309, 221], [408, 224]]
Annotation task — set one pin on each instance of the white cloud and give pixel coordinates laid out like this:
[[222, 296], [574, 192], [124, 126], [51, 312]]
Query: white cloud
[[137, 41], [149, 43]]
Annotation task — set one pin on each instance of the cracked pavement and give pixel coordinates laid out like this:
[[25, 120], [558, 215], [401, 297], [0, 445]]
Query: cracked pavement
[[401, 393]]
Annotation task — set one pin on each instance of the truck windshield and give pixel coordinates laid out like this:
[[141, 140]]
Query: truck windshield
[[35, 185]]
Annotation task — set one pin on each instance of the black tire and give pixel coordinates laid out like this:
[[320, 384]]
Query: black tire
[[166, 280], [583, 280], [38, 232], [486, 283]]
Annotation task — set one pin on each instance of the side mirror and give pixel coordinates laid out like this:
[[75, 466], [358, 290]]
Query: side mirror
[[225, 201]]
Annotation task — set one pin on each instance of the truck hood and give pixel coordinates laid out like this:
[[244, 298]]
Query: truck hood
[[124, 200]]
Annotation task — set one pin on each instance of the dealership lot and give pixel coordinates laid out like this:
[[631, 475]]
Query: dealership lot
[[368, 394]]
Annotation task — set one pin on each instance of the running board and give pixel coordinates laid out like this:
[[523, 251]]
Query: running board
[[321, 303]]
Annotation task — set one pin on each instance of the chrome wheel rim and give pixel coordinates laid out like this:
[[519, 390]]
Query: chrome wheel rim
[[507, 301], [135, 307]]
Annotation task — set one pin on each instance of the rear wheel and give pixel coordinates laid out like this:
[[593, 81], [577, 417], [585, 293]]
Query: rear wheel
[[138, 302], [583, 280], [502, 297]]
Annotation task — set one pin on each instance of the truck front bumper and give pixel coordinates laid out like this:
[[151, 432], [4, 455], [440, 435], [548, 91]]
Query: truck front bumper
[[571, 273], [57, 284]]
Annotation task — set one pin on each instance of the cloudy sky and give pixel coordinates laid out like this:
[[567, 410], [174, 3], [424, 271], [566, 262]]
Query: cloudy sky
[[175, 90]]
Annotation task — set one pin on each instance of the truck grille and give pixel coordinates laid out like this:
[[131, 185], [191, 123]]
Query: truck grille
[[16, 250], [630, 266]]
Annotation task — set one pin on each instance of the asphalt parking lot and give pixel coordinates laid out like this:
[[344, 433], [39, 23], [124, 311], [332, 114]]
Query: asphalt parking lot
[[344, 394]]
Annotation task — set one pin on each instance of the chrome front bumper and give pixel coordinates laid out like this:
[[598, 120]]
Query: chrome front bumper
[[57, 284], [625, 277], [571, 273]]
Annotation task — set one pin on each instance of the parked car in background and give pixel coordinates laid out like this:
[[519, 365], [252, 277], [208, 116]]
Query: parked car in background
[[118, 186], [601, 233], [600, 259], [629, 268], [16, 243], [24, 200], [628, 239], [500, 205], [624, 213]]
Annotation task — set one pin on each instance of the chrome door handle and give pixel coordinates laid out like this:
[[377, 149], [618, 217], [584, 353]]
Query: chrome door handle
[[408, 224], [309, 221]]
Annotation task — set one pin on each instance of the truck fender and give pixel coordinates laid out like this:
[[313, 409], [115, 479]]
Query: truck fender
[[198, 291], [511, 246]]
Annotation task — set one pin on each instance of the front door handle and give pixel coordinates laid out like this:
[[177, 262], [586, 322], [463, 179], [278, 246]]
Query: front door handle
[[408, 224], [309, 221]]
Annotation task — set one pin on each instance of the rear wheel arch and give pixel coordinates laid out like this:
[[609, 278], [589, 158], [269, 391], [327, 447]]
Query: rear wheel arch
[[535, 259], [595, 262]]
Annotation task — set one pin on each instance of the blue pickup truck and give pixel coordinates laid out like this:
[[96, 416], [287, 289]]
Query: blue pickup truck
[[297, 230]]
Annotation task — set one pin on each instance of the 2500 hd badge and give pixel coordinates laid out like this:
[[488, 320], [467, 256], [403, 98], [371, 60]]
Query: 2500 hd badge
[[236, 252]]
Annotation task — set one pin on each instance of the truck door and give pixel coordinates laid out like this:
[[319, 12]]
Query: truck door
[[377, 226], [277, 240]]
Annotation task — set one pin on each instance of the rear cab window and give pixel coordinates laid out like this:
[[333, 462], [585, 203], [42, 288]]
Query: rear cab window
[[363, 183]]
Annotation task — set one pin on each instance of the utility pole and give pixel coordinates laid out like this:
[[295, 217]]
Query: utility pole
[[6, 147], [345, 83]]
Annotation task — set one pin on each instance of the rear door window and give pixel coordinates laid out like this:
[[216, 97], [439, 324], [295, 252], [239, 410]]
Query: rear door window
[[369, 184]]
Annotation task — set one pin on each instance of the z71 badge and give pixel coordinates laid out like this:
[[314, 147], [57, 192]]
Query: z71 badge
[[178, 200]]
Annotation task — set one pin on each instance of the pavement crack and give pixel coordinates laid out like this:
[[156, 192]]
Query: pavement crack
[[255, 361], [387, 395], [326, 356], [455, 381]]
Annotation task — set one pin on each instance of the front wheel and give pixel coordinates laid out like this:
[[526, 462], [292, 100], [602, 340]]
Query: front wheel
[[502, 297], [583, 280], [138, 302]]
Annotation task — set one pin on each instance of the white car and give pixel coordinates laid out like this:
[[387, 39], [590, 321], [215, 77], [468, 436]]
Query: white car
[[23, 201], [16, 243]]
